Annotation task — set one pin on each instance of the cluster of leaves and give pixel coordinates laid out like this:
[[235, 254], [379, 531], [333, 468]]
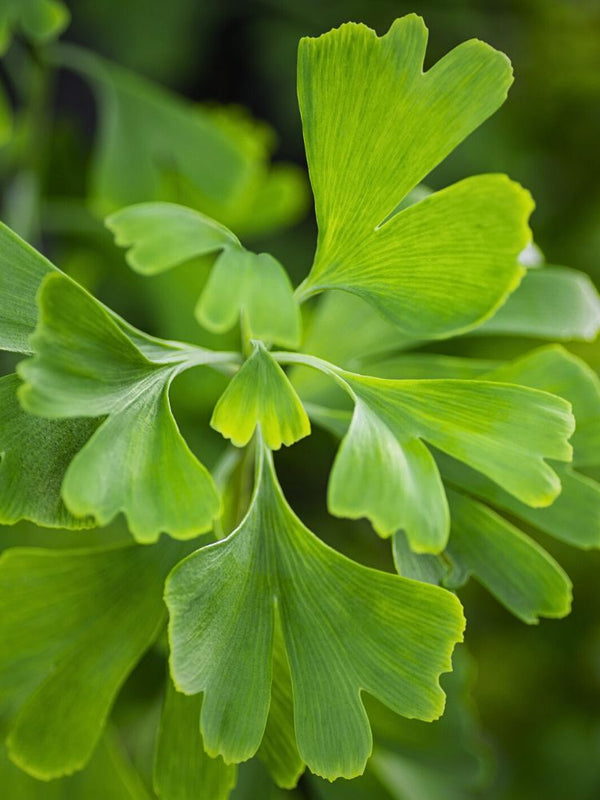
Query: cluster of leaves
[[278, 644]]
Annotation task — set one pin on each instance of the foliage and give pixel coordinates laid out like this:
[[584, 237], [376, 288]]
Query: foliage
[[279, 645]]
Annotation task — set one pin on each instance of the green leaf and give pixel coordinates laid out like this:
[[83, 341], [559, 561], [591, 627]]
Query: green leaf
[[260, 394], [34, 456], [501, 430], [419, 566], [391, 480], [73, 624], [256, 287], [253, 286], [85, 365], [182, 770], [40, 20], [553, 369], [349, 80], [163, 235], [278, 749], [155, 145], [108, 775], [574, 516], [551, 303], [346, 629], [517, 571], [21, 271]]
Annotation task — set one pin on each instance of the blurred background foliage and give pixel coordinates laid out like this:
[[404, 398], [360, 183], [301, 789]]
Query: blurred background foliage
[[90, 124]]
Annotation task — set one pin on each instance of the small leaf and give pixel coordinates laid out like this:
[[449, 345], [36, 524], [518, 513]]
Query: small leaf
[[182, 770], [551, 303], [392, 481], [519, 573], [349, 80], [162, 235], [346, 629], [34, 456], [260, 394], [85, 365], [256, 287], [73, 624]]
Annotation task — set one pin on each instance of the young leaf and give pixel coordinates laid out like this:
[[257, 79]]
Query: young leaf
[[361, 168], [85, 365], [346, 628], [256, 287], [253, 286], [73, 624], [182, 770], [260, 394], [34, 456], [551, 303], [391, 480], [162, 235], [504, 431], [519, 573], [419, 566]]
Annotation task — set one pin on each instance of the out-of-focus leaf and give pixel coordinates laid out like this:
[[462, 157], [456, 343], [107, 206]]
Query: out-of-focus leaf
[[73, 624], [551, 303], [182, 770], [154, 145], [107, 775], [517, 571], [39, 20]]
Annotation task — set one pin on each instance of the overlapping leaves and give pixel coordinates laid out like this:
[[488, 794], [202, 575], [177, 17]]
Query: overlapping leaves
[[392, 637]]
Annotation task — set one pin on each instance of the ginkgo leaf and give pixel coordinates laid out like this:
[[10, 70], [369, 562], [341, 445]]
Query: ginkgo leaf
[[154, 145], [392, 481], [574, 516], [260, 394], [73, 624], [553, 369], [22, 269], [256, 287], [242, 284], [523, 576], [108, 775], [419, 566], [39, 19], [361, 168], [182, 770], [504, 431], [346, 629], [278, 749], [551, 303], [162, 235], [34, 456], [85, 365]]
